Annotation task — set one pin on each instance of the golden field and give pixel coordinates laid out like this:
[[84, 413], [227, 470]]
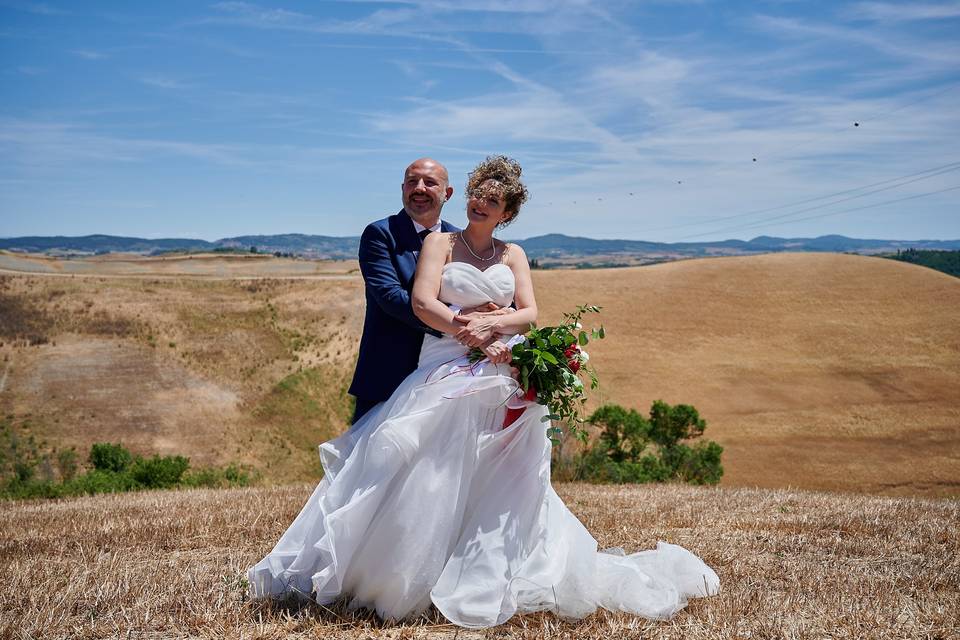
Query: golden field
[[792, 564], [826, 377], [815, 371]]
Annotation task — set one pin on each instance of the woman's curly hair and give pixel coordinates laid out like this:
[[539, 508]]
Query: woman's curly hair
[[505, 172]]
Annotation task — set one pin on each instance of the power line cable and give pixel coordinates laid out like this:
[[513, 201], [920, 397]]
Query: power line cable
[[801, 202], [830, 204], [833, 213]]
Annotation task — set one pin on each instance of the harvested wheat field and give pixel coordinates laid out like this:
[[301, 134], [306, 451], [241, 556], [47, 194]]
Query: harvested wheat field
[[792, 565]]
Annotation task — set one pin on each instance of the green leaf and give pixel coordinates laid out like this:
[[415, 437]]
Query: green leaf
[[583, 338], [549, 357]]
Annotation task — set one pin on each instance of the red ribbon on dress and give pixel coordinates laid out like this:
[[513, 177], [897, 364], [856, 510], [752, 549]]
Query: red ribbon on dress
[[512, 415]]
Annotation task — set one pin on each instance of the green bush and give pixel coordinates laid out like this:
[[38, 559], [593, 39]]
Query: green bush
[[115, 469], [159, 472], [106, 456], [67, 463], [633, 449], [100, 481], [214, 477]]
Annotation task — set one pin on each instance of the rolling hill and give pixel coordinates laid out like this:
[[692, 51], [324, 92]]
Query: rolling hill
[[552, 249], [819, 371]]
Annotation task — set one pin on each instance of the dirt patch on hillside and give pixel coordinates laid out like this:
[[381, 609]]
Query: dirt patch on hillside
[[231, 370], [88, 389]]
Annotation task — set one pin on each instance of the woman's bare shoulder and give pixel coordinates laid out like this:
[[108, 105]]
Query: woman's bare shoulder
[[513, 253]]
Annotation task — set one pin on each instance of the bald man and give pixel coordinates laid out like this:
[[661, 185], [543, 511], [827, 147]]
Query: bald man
[[389, 248]]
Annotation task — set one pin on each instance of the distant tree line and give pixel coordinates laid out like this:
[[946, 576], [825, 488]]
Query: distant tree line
[[945, 261]]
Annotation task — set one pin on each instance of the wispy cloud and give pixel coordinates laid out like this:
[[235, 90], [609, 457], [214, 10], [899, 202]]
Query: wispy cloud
[[39, 8], [88, 54], [50, 144], [932, 51], [251, 15], [162, 82], [904, 11]]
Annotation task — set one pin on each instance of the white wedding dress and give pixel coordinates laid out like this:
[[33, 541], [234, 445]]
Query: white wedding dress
[[427, 499]]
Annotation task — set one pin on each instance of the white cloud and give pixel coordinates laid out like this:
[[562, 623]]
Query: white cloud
[[904, 11], [162, 82], [898, 47], [88, 54]]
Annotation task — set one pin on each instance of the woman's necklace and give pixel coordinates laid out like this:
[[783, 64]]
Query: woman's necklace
[[493, 247]]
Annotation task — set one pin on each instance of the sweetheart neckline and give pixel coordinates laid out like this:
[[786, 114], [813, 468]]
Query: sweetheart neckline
[[476, 268]]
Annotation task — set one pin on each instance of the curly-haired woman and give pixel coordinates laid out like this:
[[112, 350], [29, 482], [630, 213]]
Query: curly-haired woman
[[429, 499]]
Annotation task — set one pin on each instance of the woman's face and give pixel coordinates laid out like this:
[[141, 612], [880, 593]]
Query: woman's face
[[486, 205]]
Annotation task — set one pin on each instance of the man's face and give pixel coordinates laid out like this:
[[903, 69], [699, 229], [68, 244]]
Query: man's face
[[425, 190]]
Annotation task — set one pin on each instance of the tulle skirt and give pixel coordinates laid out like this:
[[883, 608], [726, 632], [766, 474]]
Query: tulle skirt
[[428, 499]]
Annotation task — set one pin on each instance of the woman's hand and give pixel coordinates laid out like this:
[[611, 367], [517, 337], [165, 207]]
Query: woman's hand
[[477, 331], [498, 353]]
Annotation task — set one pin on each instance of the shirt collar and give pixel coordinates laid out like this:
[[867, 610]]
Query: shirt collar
[[419, 227]]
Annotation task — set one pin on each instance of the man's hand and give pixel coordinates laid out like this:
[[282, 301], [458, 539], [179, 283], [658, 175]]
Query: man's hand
[[488, 309], [476, 332], [479, 324]]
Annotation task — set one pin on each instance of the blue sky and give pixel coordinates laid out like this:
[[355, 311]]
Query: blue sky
[[632, 120]]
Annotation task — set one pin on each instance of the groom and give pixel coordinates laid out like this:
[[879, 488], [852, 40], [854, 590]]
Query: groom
[[392, 334]]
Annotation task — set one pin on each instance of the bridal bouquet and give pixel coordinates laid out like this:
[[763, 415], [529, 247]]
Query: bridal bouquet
[[550, 362]]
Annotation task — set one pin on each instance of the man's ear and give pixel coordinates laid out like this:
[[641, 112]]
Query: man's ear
[[449, 192]]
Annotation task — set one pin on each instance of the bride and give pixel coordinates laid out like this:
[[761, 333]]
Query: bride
[[429, 499]]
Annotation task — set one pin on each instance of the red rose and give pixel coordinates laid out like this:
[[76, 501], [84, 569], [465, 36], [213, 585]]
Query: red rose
[[530, 395], [570, 351], [574, 365]]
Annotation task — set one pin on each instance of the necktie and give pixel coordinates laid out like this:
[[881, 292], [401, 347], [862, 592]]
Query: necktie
[[424, 234]]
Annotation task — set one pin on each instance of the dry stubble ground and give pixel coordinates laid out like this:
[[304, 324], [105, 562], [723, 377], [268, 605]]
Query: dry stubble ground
[[792, 565]]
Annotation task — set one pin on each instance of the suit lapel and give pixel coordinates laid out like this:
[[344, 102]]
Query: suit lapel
[[404, 234]]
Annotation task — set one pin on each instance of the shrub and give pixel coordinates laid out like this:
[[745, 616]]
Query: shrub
[[114, 470], [213, 477], [159, 471], [702, 465], [67, 463], [100, 481], [632, 448], [106, 456]]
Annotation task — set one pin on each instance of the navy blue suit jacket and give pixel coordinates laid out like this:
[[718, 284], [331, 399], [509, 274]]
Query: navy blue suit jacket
[[392, 334]]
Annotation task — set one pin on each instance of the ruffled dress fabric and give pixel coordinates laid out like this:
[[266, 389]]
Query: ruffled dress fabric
[[428, 499]]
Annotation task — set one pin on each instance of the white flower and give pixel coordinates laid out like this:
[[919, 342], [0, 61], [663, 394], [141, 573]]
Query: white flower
[[584, 356], [578, 326], [578, 384]]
